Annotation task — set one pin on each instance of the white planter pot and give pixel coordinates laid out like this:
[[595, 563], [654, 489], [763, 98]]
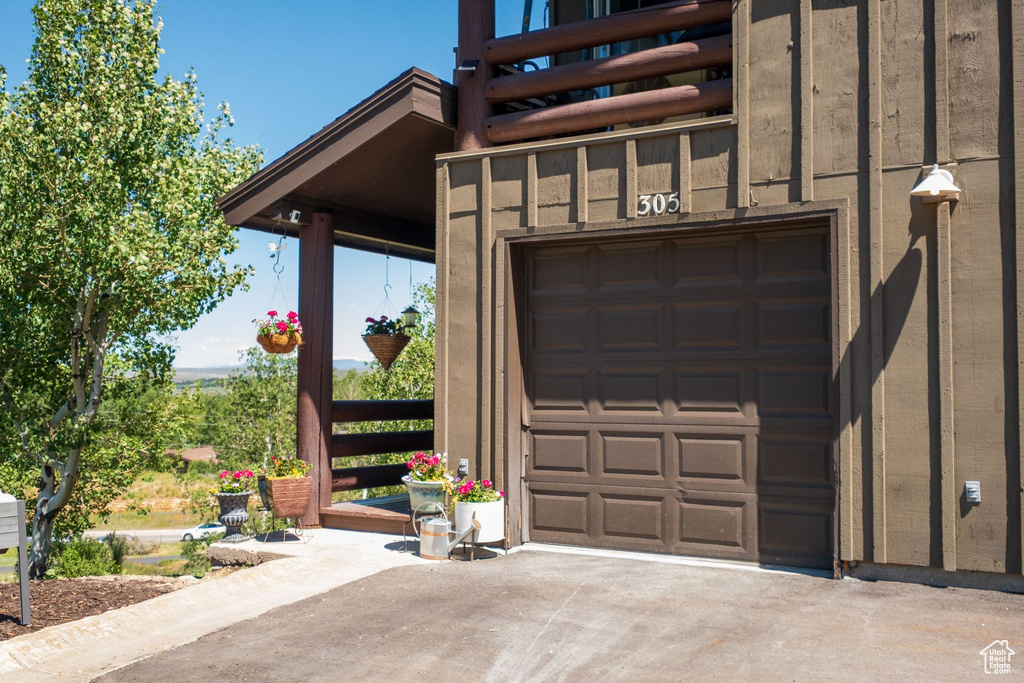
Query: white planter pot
[[490, 515]]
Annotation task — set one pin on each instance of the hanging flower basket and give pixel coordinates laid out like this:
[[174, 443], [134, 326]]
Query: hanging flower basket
[[386, 339], [279, 343], [386, 347], [279, 336]]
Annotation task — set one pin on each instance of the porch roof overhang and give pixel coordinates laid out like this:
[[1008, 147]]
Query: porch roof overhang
[[373, 168]]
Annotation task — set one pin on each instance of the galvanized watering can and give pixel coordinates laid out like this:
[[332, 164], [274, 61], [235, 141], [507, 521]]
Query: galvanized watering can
[[434, 533]]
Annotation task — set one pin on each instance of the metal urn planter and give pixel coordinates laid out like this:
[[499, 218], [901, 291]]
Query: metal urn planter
[[233, 514], [290, 497], [490, 515], [426, 496]]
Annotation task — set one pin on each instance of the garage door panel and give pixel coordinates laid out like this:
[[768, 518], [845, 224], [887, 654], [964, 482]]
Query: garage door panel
[[714, 461], [630, 328], [559, 271], [709, 326], [795, 460], [560, 331], [562, 452], [559, 516], [634, 457], [792, 256], [560, 391], [708, 263], [629, 269], [636, 518], [786, 322], [794, 392], [795, 531], [707, 391], [627, 392], [717, 525]]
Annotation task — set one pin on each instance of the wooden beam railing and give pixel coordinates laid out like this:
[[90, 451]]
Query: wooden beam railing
[[367, 411], [562, 81], [374, 476], [653, 104], [351, 445], [376, 443], [615, 28], [659, 61]]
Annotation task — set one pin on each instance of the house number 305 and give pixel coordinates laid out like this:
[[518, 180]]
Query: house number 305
[[657, 204]]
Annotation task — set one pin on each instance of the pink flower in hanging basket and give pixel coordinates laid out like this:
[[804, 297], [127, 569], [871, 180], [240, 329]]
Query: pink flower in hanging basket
[[273, 325]]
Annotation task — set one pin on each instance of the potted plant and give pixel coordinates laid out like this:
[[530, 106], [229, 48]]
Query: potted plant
[[428, 481], [386, 339], [279, 335], [289, 486], [232, 492], [480, 500]]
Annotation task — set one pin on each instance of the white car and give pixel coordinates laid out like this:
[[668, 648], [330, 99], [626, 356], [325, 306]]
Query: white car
[[203, 530]]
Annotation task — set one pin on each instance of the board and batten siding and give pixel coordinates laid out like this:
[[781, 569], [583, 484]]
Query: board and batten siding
[[840, 107]]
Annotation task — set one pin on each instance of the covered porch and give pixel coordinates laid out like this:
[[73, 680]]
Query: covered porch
[[365, 181]]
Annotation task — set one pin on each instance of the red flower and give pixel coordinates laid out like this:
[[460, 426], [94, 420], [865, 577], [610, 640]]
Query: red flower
[[272, 313], [292, 315], [383, 318], [282, 326], [370, 320]]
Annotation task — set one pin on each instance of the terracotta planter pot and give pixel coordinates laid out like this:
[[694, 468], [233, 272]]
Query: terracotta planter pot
[[290, 497], [386, 347], [279, 343], [490, 515]]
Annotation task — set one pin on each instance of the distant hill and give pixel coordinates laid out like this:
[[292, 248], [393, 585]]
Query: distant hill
[[346, 364], [211, 376]]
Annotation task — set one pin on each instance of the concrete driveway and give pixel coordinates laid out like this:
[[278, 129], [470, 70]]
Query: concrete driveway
[[537, 615]]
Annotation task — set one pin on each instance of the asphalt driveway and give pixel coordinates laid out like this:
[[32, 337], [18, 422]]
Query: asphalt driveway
[[536, 615]]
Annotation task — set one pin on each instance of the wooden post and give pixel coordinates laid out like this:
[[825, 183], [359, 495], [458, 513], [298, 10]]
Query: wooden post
[[476, 25], [316, 367]]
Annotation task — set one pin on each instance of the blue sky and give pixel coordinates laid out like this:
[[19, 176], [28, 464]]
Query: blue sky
[[288, 68]]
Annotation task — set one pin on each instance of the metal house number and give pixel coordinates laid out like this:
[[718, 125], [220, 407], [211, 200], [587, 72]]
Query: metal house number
[[657, 204]]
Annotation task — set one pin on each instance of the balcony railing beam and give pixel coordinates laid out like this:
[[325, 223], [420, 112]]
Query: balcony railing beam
[[649, 21], [349, 445], [659, 61], [370, 477], [569, 118], [366, 411]]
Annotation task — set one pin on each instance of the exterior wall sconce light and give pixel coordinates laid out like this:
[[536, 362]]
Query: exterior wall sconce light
[[411, 317], [937, 187]]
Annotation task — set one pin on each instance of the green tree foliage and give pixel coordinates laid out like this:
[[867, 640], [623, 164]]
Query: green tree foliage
[[259, 418], [110, 237]]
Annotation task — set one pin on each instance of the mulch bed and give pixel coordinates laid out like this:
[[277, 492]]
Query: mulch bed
[[60, 600]]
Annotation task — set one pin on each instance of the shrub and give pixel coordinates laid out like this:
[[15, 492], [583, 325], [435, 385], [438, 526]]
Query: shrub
[[120, 547], [197, 561], [84, 557]]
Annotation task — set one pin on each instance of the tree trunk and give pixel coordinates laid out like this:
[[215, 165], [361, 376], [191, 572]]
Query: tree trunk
[[42, 527]]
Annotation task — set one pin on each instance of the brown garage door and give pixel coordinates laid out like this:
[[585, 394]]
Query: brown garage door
[[678, 395]]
